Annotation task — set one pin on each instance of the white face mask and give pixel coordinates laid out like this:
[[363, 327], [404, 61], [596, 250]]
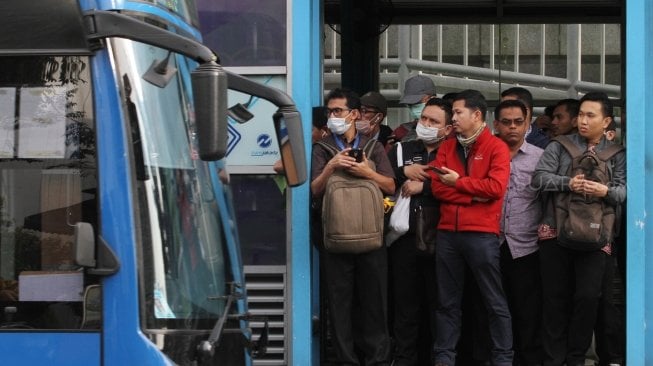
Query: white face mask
[[427, 134], [416, 111], [338, 125]]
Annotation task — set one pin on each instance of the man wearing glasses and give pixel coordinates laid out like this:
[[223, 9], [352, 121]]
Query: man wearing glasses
[[522, 212], [360, 279], [374, 108]]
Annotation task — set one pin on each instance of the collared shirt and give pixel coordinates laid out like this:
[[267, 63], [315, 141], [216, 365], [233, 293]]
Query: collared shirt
[[522, 209]]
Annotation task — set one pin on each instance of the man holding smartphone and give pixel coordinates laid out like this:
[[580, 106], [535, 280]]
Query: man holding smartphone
[[412, 273], [361, 276], [477, 166]]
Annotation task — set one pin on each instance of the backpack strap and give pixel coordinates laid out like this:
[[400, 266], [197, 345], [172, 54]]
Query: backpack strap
[[332, 149], [569, 145], [610, 151], [369, 147]]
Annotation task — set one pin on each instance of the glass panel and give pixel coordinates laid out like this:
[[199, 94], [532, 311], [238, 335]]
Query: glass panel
[[530, 48], [48, 183], [260, 203], [452, 49], [184, 8], [184, 266], [245, 32]]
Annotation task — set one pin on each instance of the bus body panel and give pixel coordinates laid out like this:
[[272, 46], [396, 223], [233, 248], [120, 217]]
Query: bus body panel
[[45, 348]]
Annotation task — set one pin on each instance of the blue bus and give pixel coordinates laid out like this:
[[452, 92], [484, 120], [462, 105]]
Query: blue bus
[[118, 238]]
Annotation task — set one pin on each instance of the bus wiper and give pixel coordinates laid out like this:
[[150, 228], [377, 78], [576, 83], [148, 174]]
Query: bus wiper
[[206, 349]]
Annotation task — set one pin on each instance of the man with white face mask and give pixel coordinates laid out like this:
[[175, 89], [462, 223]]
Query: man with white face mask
[[374, 108], [347, 276], [413, 274], [417, 91]]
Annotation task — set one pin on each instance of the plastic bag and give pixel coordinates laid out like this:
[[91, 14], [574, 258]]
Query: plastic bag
[[399, 220]]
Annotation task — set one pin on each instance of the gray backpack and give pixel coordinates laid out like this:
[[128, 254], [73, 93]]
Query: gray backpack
[[586, 223], [352, 210]]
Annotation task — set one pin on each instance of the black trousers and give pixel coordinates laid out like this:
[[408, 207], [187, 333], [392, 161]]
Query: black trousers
[[523, 286], [609, 330], [357, 287], [572, 282], [413, 286]]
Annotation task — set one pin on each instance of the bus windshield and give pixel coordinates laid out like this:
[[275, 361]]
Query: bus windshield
[[183, 266]]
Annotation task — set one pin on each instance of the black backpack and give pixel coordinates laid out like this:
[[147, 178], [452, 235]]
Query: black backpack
[[584, 222]]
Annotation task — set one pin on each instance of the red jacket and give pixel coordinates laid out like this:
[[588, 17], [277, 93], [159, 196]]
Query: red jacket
[[486, 176]]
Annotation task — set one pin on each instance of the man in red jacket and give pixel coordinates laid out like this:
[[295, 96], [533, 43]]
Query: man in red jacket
[[475, 169]]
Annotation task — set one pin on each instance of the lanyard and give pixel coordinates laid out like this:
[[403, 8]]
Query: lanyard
[[341, 146]]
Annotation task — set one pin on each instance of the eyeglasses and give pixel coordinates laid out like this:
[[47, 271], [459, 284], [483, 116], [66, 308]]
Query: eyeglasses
[[369, 110], [336, 111], [509, 122]]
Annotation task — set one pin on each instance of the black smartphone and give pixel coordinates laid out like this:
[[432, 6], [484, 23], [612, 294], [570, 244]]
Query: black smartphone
[[437, 170], [356, 154]]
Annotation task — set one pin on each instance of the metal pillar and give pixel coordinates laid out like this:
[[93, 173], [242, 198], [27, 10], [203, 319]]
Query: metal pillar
[[360, 45]]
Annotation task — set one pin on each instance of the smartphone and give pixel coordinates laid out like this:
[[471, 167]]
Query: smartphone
[[437, 170], [356, 154]]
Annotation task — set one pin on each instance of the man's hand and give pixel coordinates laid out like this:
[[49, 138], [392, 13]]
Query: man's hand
[[576, 183], [417, 172], [361, 169], [450, 178], [341, 160], [594, 189], [411, 188]]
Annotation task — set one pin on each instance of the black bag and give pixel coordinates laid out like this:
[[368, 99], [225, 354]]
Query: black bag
[[426, 222]]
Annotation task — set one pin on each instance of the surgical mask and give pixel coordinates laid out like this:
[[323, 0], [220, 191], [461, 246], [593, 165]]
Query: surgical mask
[[427, 134], [416, 110], [338, 125], [364, 126]]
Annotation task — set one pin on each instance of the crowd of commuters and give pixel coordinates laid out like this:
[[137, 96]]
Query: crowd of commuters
[[534, 299]]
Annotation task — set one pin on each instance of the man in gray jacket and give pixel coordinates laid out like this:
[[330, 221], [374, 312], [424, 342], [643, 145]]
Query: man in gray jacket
[[571, 278]]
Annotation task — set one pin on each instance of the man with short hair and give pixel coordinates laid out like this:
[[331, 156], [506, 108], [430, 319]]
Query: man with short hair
[[565, 117], [571, 277], [417, 90], [374, 108], [354, 278], [413, 274], [476, 168], [534, 135], [522, 212]]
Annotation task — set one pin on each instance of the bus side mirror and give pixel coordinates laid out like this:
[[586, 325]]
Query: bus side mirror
[[210, 97], [84, 244], [288, 126], [100, 262]]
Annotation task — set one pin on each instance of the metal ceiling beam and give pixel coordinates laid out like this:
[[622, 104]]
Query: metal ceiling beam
[[492, 11]]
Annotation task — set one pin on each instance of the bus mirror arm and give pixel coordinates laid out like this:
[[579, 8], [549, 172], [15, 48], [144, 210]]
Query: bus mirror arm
[[102, 24], [287, 123], [209, 80]]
